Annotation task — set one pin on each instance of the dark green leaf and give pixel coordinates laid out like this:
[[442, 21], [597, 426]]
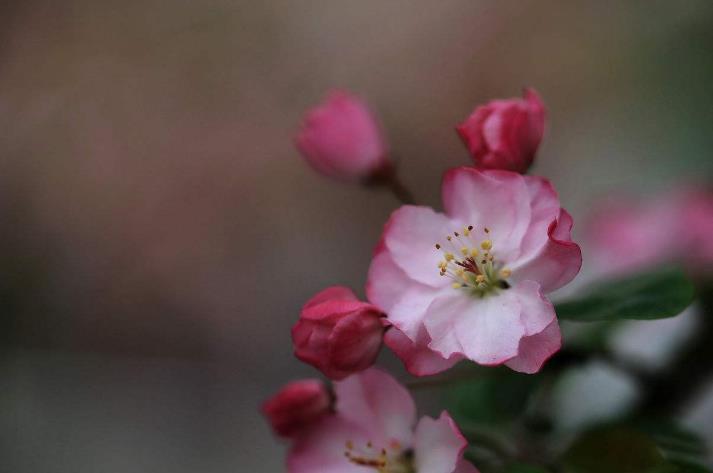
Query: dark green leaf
[[492, 397], [675, 441], [593, 336], [619, 450], [655, 294]]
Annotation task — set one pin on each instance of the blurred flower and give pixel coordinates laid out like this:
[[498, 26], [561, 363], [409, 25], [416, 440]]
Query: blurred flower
[[591, 394], [697, 223], [341, 139], [337, 333], [374, 428], [625, 235], [505, 134], [470, 283], [652, 344], [298, 405]]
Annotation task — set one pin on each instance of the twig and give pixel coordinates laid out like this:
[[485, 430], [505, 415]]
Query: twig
[[387, 177]]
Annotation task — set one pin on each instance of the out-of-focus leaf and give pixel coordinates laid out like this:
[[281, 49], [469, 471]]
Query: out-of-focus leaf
[[679, 467], [679, 446], [613, 450], [493, 397], [655, 294], [593, 336], [523, 468], [675, 441]]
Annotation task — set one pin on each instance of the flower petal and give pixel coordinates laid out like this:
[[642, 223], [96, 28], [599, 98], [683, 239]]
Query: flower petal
[[331, 303], [338, 293], [440, 319], [342, 139], [471, 130], [407, 314], [321, 449], [465, 467], [498, 200], [536, 349], [418, 358], [354, 343], [386, 281], [537, 311], [486, 330], [438, 445], [545, 207], [410, 236], [297, 406], [376, 402], [557, 262]]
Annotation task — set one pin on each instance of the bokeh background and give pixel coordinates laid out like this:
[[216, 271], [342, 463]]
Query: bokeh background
[[160, 233]]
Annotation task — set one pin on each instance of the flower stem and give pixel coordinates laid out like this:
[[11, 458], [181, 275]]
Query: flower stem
[[387, 177], [400, 191]]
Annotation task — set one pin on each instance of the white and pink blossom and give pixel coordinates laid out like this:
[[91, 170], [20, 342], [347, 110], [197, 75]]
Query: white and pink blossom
[[374, 428], [470, 283]]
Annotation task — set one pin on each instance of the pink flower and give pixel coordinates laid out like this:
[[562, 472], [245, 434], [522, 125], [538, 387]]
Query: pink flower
[[374, 429], [625, 235], [505, 134], [297, 406], [338, 334], [341, 139], [697, 222], [471, 283]]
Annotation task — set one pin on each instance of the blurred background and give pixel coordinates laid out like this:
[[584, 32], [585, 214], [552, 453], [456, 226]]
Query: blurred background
[[160, 233]]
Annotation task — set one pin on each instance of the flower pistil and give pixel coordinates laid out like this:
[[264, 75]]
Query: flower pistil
[[381, 460], [472, 265]]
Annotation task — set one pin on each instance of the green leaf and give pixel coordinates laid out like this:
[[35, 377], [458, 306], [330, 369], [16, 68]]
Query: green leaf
[[619, 449], [684, 450], [493, 397], [675, 441], [655, 294]]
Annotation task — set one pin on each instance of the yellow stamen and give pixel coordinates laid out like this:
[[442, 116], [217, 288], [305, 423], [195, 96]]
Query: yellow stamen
[[486, 245]]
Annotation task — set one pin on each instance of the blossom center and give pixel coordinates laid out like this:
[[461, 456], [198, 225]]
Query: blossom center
[[471, 263], [392, 460]]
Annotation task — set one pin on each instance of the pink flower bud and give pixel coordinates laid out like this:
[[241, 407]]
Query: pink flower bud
[[341, 139], [298, 405], [338, 334], [505, 134]]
